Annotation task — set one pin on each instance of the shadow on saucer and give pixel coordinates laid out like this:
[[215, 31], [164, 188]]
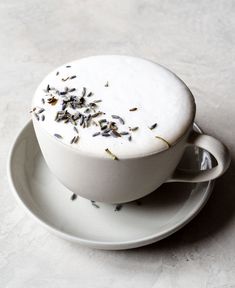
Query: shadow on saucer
[[166, 196], [213, 219]]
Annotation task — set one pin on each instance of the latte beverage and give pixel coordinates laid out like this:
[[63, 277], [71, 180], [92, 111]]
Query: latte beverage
[[114, 106]]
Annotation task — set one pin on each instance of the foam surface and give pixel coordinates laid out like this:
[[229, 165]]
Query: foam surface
[[159, 96]]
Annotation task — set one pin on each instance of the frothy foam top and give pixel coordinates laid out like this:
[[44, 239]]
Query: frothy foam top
[[146, 107]]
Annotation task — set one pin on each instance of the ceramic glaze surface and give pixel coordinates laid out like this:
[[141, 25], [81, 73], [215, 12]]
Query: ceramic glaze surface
[[101, 225], [121, 83]]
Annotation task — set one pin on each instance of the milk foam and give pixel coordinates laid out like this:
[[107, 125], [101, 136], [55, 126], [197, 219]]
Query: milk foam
[[159, 96]]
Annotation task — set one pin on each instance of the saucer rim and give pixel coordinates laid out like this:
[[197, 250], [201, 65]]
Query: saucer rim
[[104, 245]]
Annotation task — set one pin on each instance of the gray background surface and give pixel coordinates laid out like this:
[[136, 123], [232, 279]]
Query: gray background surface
[[196, 40]]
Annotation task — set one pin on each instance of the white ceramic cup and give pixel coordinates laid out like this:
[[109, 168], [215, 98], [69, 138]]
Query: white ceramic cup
[[102, 179]]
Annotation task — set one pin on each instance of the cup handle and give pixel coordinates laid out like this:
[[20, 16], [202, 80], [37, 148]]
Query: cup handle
[[214, 147]]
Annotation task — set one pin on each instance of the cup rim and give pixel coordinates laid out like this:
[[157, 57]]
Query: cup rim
[[104, 157]]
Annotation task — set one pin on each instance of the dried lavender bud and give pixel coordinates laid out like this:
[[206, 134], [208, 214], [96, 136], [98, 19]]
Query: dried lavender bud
[[73, 197], [118, 207], [90, 94], [124, 133], [58, 136], [105, 134], [119, 118], [94, 204], [134, 128], [133, 109], [75, 129], [153, 126], [41, 110], [36, 116]]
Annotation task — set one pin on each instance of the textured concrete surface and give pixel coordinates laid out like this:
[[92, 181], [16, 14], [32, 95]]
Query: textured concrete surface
[[193, 38]]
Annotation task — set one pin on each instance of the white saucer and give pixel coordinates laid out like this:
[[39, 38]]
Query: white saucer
[[160, 214]]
